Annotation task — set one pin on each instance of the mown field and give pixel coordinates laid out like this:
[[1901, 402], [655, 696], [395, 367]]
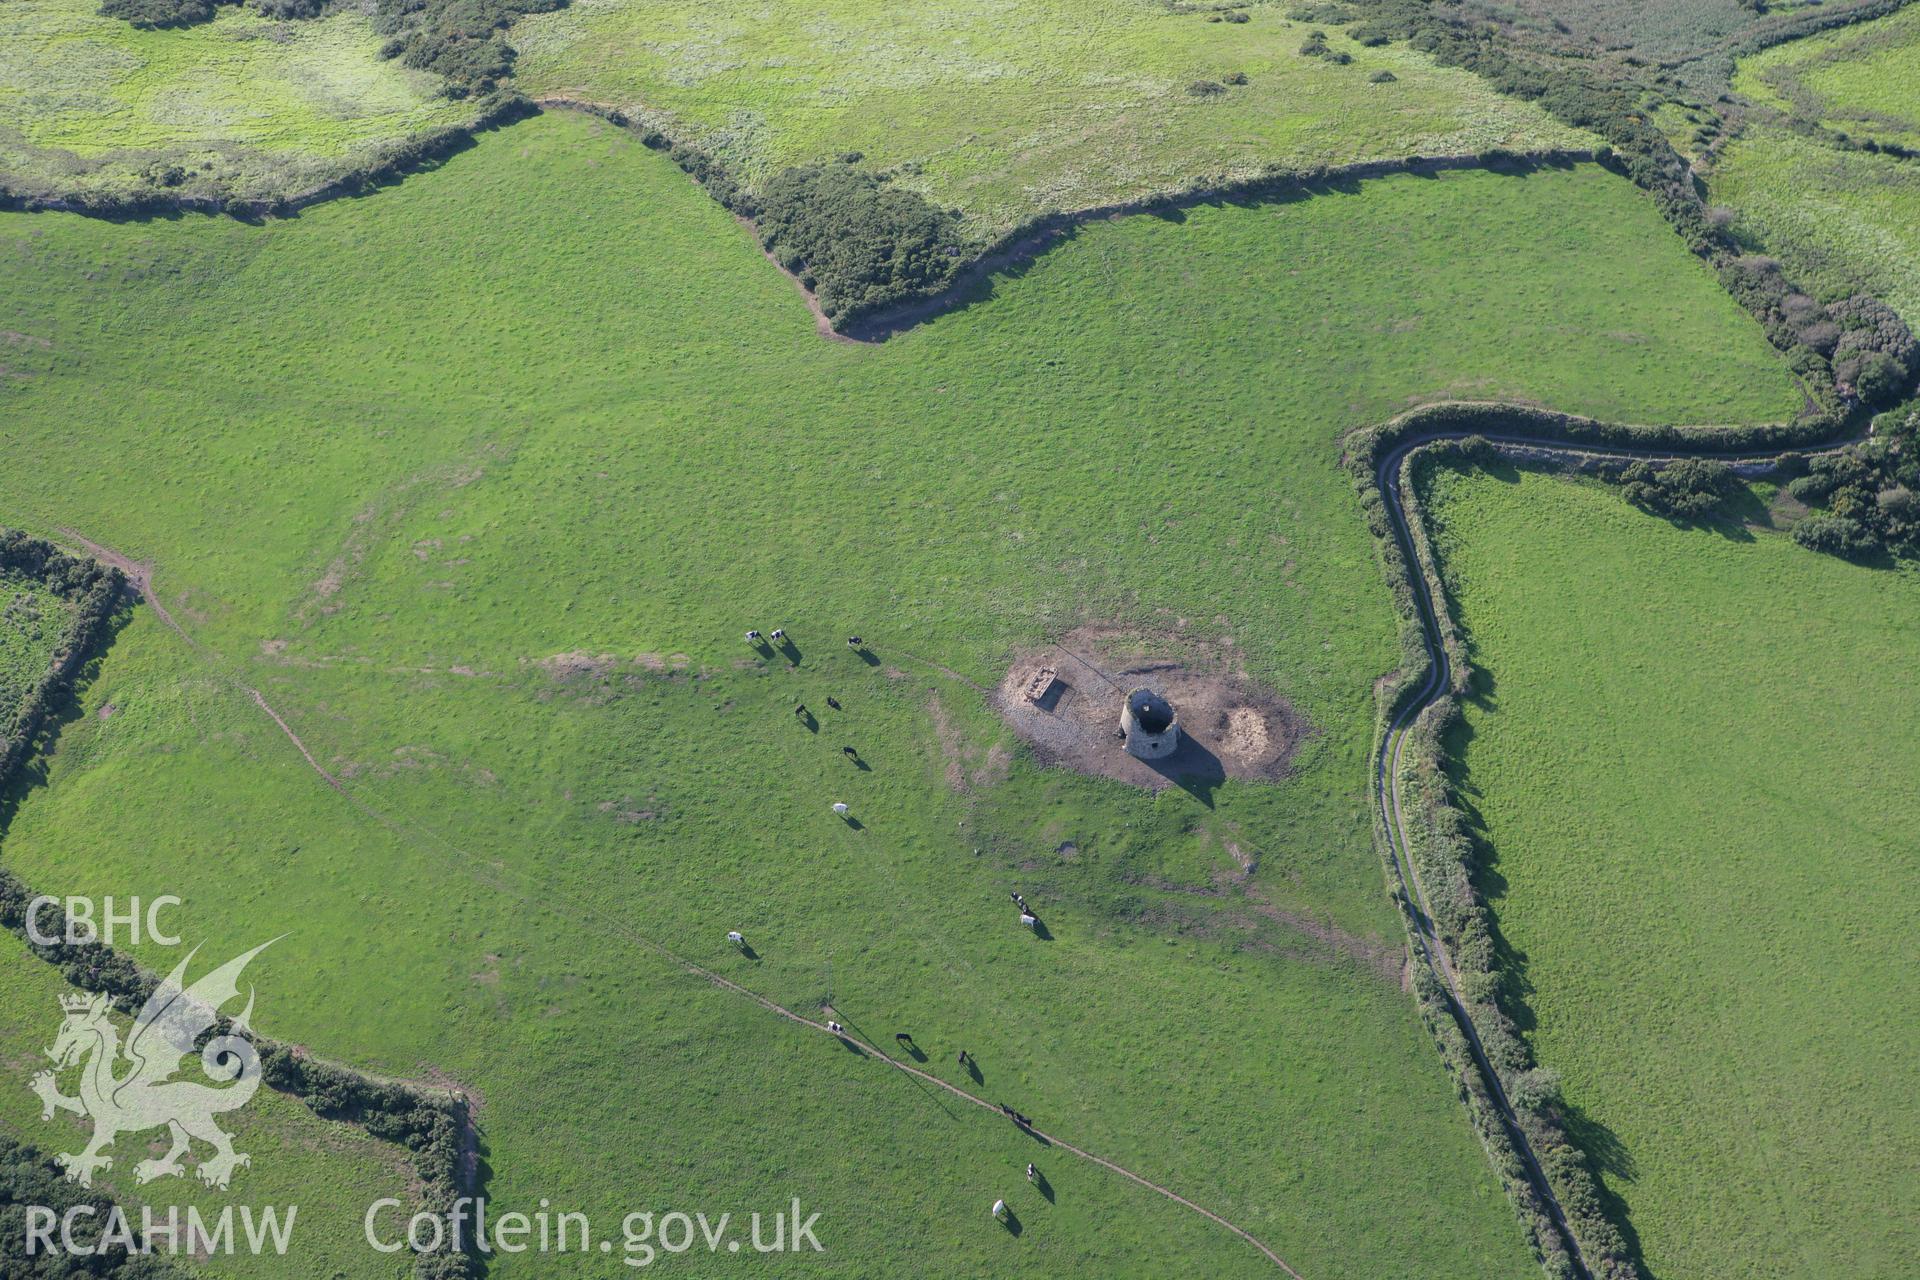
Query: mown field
[[1016, 108], [241, 105], [486, 525], [1686, 754], [330, 1171]]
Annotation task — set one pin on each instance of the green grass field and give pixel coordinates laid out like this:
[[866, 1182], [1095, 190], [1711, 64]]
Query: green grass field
[[485, 526], [243, 104], [1688, 756], [1855, 79], [1014, 108]]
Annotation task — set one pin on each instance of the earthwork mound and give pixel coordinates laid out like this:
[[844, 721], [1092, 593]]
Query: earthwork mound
[[1064, 700]]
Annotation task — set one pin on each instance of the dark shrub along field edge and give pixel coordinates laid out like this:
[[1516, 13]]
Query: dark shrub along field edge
[[435, 1126], [29, 1179], [1456, 434]]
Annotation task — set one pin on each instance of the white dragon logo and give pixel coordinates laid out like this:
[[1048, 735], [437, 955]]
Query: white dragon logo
[[164, 1032]]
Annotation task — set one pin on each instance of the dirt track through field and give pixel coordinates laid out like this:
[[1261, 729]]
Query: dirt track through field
[[141, 576]]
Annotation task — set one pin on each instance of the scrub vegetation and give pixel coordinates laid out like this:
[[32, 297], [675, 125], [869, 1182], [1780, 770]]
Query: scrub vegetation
[[1822, 177]]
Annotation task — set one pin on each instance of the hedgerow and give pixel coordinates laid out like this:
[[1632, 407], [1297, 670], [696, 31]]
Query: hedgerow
[[387, 164], [431, 1125], [29, 1179], [94, 590], [1636, 147], [1689, 489], [861, 243], [1441, 838]]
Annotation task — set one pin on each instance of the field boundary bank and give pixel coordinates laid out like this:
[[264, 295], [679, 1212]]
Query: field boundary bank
[[1428, 857], [433, 1125]]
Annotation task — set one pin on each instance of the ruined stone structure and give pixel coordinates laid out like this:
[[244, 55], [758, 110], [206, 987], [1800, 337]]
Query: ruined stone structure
[[1151, 729]]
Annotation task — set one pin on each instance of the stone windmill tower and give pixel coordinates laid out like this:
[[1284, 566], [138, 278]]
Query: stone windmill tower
[[1149, 726]]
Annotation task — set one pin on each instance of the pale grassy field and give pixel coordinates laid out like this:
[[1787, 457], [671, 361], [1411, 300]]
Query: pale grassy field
[[241, 103], [1012, 108]]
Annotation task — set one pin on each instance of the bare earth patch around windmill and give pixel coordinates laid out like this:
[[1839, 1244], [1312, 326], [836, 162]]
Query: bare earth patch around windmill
[[1064, 699]]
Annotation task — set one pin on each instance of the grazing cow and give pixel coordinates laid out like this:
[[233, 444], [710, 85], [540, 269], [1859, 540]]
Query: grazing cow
[[778, 635], [753, 637], [1028, 919], [835, 1027], [849, 753], [833, 702], [1022, 1121], [854, 642], [1033, 1174], [801, 711], [963, 1057], [902, 1037], [840, 807], [736, 938], [999, 1208], [1006, 1110]]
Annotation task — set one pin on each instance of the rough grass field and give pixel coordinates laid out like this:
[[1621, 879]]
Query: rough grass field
[[243, 104], [1014, 108], [1842, 221], [330, 1171], [486, 526], [1859, 79], [1688, 756]]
